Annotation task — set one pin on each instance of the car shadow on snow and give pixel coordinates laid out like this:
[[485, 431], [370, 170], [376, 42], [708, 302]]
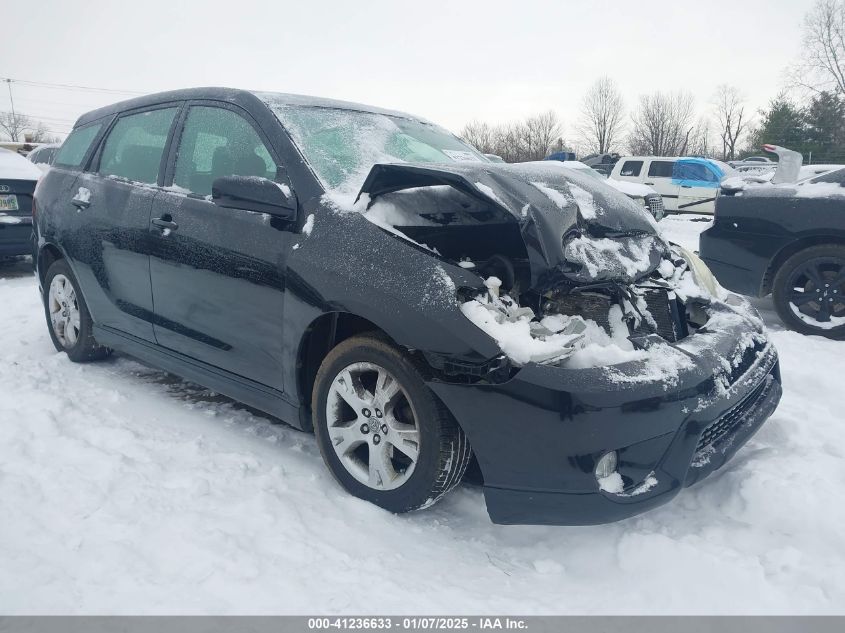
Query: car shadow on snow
[[193, 393], [258, 423]]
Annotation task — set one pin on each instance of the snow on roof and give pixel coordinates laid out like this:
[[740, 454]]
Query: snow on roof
[[13, 166], [284, 99]]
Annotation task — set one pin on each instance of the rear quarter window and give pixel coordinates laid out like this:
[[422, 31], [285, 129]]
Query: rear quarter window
[[73, 150]]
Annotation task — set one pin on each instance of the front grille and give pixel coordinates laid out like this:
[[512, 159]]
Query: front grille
[[655, 204], [730, 421]]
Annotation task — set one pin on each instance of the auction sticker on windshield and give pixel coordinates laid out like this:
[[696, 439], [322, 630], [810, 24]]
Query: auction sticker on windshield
[[461, 155], [9, 203]]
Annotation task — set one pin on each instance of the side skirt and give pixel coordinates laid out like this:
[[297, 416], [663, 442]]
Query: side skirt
[[271, 401]]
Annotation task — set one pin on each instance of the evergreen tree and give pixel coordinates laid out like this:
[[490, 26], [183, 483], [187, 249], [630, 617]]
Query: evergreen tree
[[782, 124], [825, 128]]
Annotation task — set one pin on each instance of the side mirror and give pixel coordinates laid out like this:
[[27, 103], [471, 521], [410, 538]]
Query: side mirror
[[253, 193]]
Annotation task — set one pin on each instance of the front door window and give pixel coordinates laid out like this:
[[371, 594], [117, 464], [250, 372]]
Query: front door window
[[217, 142]]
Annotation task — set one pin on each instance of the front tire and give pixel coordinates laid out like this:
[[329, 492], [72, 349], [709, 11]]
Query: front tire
[[68, 319], [382, 433], [809, 291]]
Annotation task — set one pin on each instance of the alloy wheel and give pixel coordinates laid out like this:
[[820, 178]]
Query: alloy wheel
[[817, 289], [372, 426], [64, 311]]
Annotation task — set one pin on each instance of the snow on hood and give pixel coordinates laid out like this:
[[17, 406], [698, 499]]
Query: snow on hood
[[572, 224], [13, 166], [631, 188]]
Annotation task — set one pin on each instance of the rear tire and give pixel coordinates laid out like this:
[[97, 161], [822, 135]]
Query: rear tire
[[383, 434], [68, 319], [809, 291]]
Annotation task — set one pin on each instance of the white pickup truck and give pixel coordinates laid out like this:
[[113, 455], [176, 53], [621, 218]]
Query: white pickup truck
[[687, 185]]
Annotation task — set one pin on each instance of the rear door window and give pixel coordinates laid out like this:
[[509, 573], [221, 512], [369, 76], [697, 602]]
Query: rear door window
[[217, 142], [631, 168], [661, 168], [73, 150], [135, 145]]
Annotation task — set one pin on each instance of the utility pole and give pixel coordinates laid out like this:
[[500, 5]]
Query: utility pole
[[12, 101]]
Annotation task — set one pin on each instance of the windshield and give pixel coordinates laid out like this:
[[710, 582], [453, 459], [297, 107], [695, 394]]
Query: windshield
[[342, 145]]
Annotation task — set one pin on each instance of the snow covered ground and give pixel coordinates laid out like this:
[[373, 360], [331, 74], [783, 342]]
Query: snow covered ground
[[126, 490]]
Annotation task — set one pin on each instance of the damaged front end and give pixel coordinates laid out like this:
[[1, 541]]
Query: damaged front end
[[626, 372], [570, 271]]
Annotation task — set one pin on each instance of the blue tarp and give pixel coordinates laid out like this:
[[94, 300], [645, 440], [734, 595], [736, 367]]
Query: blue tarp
[[697, 172]]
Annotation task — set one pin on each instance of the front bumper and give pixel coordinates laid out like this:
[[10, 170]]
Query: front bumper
[[538, 436]]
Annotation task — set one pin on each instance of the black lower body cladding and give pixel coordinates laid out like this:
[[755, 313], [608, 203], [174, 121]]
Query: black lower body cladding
[[538, 437]]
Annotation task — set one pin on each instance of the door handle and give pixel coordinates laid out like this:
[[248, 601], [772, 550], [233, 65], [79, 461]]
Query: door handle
[[686, 186], [166, 223], [79, 203], [649, 183]]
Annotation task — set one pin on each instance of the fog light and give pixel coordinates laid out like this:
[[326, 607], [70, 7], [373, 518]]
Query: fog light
[[606, 466]]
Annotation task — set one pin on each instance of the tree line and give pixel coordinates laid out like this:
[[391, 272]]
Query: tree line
[[19, 127], [665, 123]]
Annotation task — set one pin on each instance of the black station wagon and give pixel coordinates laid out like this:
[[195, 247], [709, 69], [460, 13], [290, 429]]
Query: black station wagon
[[369, 276]]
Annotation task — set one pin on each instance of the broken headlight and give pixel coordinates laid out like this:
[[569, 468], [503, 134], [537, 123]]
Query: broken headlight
[[700, 272]]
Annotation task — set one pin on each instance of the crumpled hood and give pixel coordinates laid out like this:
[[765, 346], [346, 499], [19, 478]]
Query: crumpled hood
[[573, 226]]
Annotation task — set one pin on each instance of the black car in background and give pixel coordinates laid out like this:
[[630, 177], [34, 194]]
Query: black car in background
[[44, 154], [787, 240], [17, 183], [366, 275]]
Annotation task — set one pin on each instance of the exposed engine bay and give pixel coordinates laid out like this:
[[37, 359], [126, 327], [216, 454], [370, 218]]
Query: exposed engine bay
[[572, 273], [550, 327]]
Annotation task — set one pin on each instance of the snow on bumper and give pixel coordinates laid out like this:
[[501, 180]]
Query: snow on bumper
[[538, 436]]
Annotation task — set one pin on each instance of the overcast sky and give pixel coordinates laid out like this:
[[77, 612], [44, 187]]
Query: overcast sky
[[450, 62]]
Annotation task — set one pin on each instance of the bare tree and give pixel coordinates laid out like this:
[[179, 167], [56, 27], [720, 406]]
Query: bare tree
[[531, 139], [14, 125], [40, 133], [601, 116], [511, 144], [822, 67], [699, 143], [540, 132], [482, 136], [730, 113], [662, 124], [20, 128]]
